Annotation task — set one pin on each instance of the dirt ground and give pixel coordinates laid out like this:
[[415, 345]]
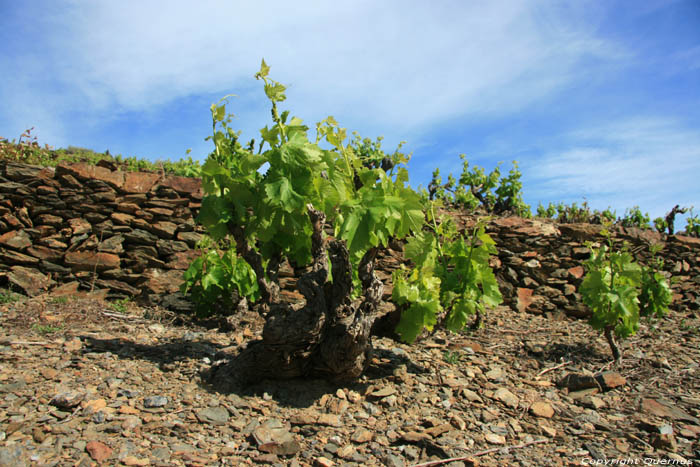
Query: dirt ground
[[85, 382]]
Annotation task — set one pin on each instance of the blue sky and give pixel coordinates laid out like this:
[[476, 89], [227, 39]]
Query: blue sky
[[597, 100]]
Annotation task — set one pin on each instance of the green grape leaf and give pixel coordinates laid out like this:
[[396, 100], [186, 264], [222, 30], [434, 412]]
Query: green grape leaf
[[461, 311]]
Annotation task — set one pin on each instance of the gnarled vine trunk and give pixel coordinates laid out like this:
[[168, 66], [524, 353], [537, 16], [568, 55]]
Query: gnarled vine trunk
[[329, 336]]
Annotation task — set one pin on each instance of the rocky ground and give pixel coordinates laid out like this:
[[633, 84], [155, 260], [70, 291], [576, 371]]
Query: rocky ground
[[85, 382]]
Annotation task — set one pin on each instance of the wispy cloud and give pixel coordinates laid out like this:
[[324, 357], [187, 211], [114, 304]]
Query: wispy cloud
[[650, 162], [401, 64]]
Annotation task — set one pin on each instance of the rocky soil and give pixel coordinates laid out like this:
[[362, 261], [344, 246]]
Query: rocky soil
[[85, 382]]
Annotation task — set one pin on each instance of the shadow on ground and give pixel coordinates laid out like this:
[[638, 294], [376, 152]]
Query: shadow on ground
[[298, 392]]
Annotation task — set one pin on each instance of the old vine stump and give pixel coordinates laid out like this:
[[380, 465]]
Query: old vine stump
[[326, 337]]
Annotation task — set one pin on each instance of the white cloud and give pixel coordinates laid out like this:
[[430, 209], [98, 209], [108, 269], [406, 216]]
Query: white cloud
[[650, 162], [402, 64]]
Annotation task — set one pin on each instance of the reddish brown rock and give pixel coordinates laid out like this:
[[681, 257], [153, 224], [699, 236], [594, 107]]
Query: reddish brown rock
[[129, 208], [182, 259], [46, 190], [580, 232], [16, 239], [12, 221], [160, 211], [50, 219], [53, 242], [542, 409], [524, 299], [14, 257], [690, 242], [90, 260], [577, 272], [610, 380], [159, 281], [83, 171], [45, 253], [183, 184], [665, 410], [30, 280], [68, 289], [530, 227], [164, 229], [189, 237], [79, 226], [139, 182], [98, 451], [122, 219]]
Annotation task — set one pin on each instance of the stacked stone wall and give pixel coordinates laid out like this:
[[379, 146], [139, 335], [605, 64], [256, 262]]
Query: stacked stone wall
[[133, 234], [94, 227]]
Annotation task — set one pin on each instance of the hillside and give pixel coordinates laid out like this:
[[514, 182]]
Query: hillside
[[83, 379]]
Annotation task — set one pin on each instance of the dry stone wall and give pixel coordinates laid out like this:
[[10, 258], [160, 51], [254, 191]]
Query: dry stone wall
[[540, 263], [133, 234], [94, 227]]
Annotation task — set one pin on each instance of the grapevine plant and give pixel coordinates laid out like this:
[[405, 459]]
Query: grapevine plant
[[692, 226], [496, 194], [326, 212], [450, 280], [619, 291]]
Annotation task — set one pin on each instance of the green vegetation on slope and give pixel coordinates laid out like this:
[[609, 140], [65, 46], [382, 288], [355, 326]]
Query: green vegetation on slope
[[28, 151]]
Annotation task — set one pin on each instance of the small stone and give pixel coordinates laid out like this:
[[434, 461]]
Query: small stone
[[471, 396], [493, 438], [67, 400], [213, 415], [12, 456], [272, 437], [323, 462], [496, 374], [48, 373], [507, 397], [30, 280], [610, 380], [98, 451], [73, 345], [130, 422], [663, 410], [132, 460], [392, 460], [17, 239], [415, 437], [94, 405], [346, 452], [155, 401], [384, 392], [549, 431], [329, 419], [128, 410], [593, 402], [542, 409], [389, 401], [666, 442], [361, 435], [304, 417]]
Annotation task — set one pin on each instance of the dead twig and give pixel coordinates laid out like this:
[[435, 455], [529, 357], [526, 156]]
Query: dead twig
[[109, 314], [480, 453], [24, 343], [555, 367]]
